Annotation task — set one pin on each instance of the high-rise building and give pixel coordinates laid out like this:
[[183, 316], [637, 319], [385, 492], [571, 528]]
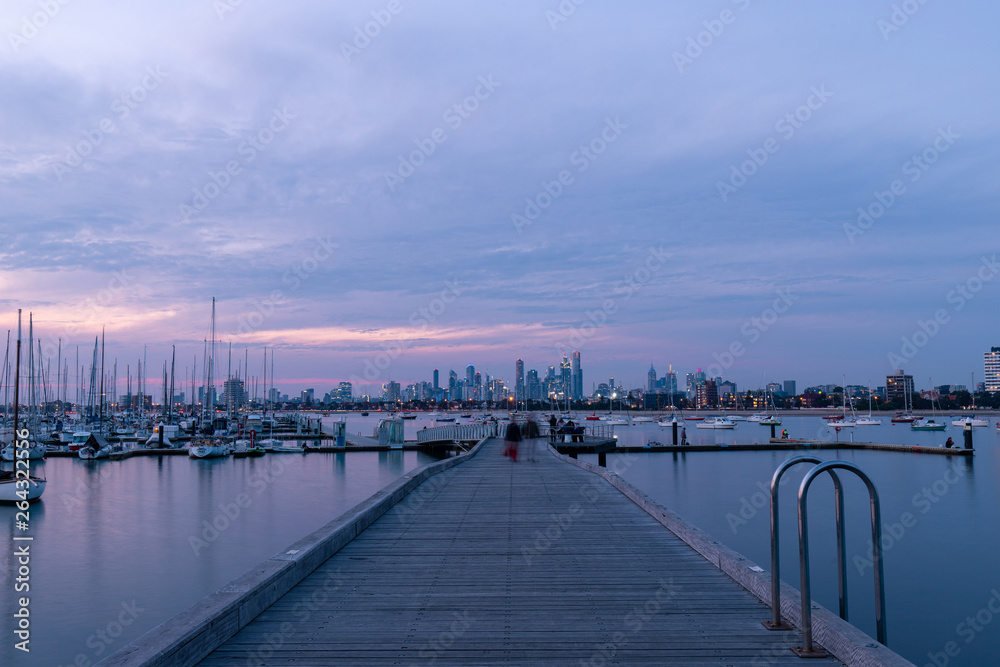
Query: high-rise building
[[898, 386], [991, 378], [470, 375], [519, 395], [566, 377], [532, 386], [391, 392], [670, 381], [437, 386], [307, 396], [345, 392], [577, 377], [789, 388], [706, 394], [233, 393], [651, 379], [453, 394]]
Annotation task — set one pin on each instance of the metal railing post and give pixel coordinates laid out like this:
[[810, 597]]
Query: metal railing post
[[807, 649], [776, 623]]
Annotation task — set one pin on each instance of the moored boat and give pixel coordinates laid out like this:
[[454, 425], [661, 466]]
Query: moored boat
[[12, 492], [927, 424], [717, 423]]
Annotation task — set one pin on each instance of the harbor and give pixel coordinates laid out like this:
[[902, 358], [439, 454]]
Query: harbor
[[733, 515], [491, 561]]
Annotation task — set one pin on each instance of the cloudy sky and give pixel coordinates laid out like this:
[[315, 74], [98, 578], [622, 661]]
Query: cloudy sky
[[375, 189]]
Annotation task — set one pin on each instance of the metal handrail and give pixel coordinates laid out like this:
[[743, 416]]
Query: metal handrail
[[807, 648], [776, 623]]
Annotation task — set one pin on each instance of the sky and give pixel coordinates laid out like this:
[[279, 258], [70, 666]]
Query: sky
[[372, 190]]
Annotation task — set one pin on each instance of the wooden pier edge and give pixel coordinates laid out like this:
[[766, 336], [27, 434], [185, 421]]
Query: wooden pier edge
[[191, 635], [846, 642]]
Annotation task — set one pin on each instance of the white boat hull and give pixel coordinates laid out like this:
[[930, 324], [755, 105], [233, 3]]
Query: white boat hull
[[9, 491], [207, 452], [35, 452]]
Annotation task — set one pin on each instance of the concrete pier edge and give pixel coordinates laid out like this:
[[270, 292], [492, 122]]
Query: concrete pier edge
[[186, 638], [846, 642]]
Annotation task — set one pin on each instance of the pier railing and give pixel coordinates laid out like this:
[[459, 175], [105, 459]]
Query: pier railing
[[462, 432], [476, 432]]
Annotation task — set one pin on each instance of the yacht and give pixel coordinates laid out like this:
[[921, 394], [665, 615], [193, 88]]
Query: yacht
[[717, 422], [927, 424], [208, 449], [972, 421], [10, 493]]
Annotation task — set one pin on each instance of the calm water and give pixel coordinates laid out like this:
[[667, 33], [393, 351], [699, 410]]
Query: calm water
[[117, 542], [941, 568]]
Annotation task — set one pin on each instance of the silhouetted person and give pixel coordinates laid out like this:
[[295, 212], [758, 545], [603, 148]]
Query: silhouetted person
[[511, 439]]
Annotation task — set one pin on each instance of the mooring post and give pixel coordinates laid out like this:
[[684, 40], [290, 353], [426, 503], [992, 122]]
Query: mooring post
[[772, 430], [968, 435], [602, 459], [675, 432]]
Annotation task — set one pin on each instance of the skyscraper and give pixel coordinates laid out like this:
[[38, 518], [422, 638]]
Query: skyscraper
[[992, 370], [671, 381], [470, 375], [436, 385], [577, 377], [898, 386], [651, 379], [519, 394], [566, 377]]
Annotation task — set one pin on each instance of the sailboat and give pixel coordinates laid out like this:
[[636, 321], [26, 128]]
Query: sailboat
[[929, 423], [722, 422], [844, 422], [209, 447], [972, 420], [906, 416], [12, 482], [869, 420]]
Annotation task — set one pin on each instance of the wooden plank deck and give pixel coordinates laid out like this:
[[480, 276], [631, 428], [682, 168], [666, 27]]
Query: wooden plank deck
[[494, 562]]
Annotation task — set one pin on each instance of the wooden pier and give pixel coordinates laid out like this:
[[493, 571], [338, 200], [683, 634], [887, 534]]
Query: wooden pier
[[494, 562]]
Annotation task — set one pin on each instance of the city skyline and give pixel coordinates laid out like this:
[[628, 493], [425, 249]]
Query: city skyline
[[650, 182]]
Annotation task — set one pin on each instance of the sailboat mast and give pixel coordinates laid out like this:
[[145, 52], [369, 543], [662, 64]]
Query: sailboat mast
[[173, 355], [17, 374]]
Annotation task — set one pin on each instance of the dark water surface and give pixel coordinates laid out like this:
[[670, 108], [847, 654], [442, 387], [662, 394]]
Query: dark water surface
[[942, 530], [121, 546]]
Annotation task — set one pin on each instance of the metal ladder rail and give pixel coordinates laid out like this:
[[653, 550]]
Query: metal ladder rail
[[807, 649], [776, 623]]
